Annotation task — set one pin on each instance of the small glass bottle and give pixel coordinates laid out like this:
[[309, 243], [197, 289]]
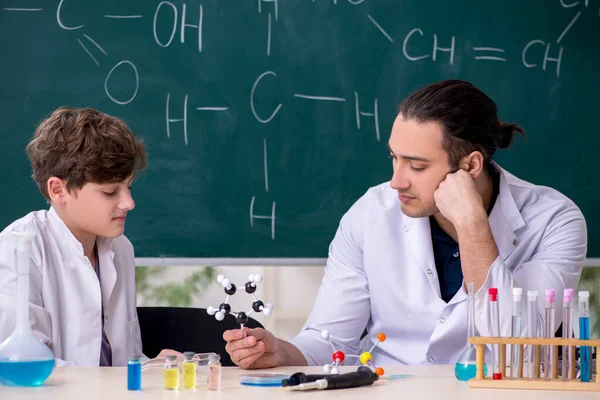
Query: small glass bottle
[[134, 373], [189, 370], [214, 372], [171, 373]]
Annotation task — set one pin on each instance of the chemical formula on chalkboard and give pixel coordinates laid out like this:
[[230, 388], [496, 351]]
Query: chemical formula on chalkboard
[[185, 27]]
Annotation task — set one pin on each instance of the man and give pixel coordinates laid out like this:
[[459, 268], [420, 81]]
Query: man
[[404, 252]]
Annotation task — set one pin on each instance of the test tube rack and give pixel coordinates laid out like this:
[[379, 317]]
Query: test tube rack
[[537, 383]]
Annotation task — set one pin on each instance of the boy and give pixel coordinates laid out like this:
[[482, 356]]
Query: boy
[[82, 272]]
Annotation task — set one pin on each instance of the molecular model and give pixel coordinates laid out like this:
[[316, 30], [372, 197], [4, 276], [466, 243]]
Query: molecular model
[[338, 356], [230, 289]]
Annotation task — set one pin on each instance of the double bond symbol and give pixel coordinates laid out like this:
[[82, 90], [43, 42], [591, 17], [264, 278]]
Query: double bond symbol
[[493, 50]]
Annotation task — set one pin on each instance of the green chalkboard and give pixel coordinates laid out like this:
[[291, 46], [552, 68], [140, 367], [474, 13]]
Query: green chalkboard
[[252, 108]]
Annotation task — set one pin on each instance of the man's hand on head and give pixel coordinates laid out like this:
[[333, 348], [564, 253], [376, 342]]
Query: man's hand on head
[[458, 199]]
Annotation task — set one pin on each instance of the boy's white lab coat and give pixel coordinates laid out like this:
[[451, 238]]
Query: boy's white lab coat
[[381, 274], [65, 301]]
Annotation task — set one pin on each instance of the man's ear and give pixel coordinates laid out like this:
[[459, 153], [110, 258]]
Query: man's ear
[[57, 190], [473, 164]]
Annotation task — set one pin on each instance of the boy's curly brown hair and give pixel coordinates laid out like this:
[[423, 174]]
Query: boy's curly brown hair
[[81, 145]]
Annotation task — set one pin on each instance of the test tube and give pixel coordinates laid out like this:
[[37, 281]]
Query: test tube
[[495, 314], [584, 334], [532, 324], [550, 330], [516, 331], [567, 351]]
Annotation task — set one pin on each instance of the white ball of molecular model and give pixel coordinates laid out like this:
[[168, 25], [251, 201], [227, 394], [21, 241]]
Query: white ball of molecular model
[[230, 289]]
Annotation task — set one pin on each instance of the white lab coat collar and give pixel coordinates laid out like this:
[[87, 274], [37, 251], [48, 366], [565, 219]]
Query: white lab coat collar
[[108, 273], [104, 244], [64, 233], [505, 218]]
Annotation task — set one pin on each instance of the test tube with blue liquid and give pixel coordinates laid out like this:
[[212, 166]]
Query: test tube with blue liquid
[[584, 334]]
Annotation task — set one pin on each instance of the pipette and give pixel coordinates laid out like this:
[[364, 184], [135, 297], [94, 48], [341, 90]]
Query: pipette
[[364, 376], [300, 377]]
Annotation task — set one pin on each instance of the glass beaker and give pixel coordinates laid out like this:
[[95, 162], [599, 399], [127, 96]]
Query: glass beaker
[[24, 359], [465, 367]]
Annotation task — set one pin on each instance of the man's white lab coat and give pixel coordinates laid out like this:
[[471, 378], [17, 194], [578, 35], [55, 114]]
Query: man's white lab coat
[[381, 275], [65, 302]]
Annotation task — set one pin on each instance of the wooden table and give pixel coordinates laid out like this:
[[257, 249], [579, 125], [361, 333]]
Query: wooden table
[[429, 382]]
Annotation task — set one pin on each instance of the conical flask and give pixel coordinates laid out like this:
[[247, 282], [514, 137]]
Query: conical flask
[[465, 367], [24, 359]]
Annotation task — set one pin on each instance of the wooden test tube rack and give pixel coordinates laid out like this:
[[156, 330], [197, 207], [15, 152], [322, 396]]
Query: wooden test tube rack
[[539, 383]]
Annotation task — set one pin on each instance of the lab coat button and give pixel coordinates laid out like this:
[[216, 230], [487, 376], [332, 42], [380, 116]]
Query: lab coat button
[[430, 360], [429, 271], [405, 228], [515, 242], [442, 320]]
